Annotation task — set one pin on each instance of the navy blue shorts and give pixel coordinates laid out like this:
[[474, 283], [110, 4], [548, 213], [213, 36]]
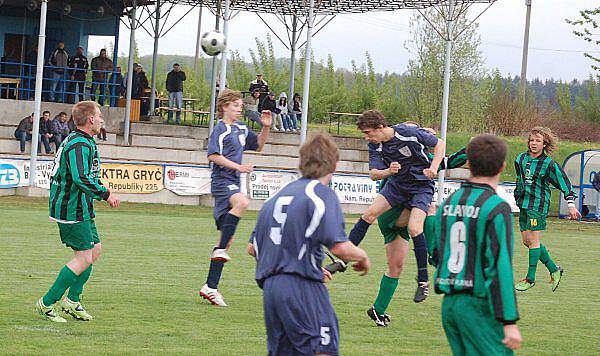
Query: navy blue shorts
[[299, 317], [418, 194], [221, 193]]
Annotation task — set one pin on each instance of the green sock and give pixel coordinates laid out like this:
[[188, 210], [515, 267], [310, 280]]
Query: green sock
[[534, 257], [65, 279], [77, 287], [547, 260], [386, 292]]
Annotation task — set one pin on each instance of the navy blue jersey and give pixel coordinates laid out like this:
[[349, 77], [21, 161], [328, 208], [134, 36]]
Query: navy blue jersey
[[409, 148], [230, 141], [291, 228]]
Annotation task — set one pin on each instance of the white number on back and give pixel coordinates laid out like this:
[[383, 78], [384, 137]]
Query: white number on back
[[458, 249], [280, 217], [56, 161]]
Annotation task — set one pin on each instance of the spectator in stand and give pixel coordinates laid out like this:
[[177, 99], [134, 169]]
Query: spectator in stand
[[79, 65], [24, 131], [46, 134], [261, 85], [59, 60], [175, 80], [138, 88], [71, 124], [251, 104], [270, 104], [102, 133], [100, 66], [295, 111], [282, 107], [60, 128], [117, 86]]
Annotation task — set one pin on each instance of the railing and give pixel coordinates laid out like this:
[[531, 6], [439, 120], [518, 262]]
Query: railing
[[339, 117], [59, 83]]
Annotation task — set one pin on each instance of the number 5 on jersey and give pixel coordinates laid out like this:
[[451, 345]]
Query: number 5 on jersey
[[280, 217]]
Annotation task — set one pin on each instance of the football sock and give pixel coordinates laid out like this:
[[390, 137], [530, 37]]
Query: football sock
[[420, 246], [358, 232], [547, 260], [214, 274], [77, 288], [387, 287], [65, 279], [534, 256], [228, 227]]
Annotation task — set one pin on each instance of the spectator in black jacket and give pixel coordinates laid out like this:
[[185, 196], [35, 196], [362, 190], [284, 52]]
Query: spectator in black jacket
[[270, 104], [24, 131], [79, 66], [261, 84], [59, 60], [175, 80], [117, 86], [60, 128], [46, 134]]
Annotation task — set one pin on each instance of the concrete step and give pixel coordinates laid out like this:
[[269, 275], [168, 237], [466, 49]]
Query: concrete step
[[179, 143]]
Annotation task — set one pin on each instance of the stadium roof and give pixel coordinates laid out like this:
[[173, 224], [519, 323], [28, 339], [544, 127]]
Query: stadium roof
[[324, 7]]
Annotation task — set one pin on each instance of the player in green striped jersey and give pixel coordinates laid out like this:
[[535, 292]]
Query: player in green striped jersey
[[74, 184], [472, 235], [392, 224], [536, 171]]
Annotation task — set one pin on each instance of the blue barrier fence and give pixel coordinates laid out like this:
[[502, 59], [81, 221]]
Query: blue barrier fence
[[66, 85]]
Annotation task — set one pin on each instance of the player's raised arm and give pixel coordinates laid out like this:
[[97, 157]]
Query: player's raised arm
[[438, 157], [267, 120], [78, 161]]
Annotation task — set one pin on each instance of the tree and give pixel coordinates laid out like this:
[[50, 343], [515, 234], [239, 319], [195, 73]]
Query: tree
[[424, 81], [589, 21]]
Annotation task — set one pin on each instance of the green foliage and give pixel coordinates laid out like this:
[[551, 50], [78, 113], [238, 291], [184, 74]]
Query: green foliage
[[587, 25], [587, 106]]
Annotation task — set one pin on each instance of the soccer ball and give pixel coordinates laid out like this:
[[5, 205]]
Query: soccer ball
[[213, 43]]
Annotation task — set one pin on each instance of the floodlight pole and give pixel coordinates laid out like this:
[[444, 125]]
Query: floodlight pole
[[155, 58], [223, 76], [307, 62], [525, 48], [130, 72], [213, 79], [199, 34], [446, 95], [39, 77], [293, 57]]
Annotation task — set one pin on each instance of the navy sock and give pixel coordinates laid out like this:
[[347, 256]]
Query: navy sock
[[214, 274], [358, 232], [228, 227], [421, 255]]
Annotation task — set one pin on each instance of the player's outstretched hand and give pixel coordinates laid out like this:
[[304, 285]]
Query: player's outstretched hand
[[327, 276], [246, 168], [394, 167], [113, 200], [574, 214], [363, 265], [430, 173], [266, 118], [512, 337]]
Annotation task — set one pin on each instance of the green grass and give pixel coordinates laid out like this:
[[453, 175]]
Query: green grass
[[143, 291]]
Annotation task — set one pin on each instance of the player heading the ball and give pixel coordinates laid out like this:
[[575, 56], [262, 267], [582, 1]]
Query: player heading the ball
[[287, 242]]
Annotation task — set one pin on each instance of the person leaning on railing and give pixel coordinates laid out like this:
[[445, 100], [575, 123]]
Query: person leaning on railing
[[100, 66], [79, 64]]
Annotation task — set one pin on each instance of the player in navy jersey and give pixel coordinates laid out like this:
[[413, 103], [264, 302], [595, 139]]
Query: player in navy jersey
[[400, 154], [226, 145], [287, 242]]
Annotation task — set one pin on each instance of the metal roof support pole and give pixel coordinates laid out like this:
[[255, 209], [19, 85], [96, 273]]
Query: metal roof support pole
[[446, 93], [213, 79], [525, 48], [198, 35], [223, 75], [311, 22], [133, 20], [39, 77], [293, 57], [155, 58]]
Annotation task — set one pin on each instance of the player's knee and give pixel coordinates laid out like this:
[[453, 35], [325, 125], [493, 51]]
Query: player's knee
[[415, 230], [241, 203], [369, 216], [395, 268], [526, 241]]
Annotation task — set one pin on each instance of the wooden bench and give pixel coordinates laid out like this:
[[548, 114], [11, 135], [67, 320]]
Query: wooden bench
[[10, 81]]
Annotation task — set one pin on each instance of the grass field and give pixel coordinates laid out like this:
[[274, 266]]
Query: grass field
[[143, 291]]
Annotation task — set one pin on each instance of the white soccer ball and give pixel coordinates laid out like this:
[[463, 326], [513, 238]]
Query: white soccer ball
[[213, 43]]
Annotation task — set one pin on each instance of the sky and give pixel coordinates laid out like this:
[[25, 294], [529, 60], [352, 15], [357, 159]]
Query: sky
[[554, 51]]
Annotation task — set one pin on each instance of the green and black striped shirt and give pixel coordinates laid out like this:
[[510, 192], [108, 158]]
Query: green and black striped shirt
[[472, 234], [74, 182], [534, 177]]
